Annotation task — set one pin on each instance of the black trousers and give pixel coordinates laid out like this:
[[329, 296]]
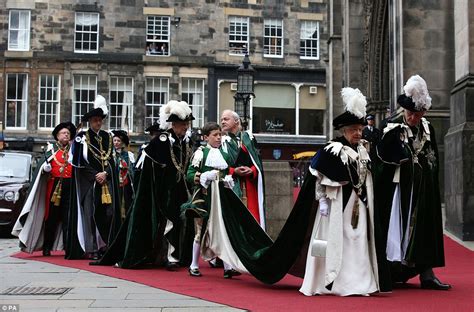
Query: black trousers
[[57, 216]]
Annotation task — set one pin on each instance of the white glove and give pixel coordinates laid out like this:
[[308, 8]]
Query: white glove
[[228, 181], [47, 168], [207, 177], [323, 206]]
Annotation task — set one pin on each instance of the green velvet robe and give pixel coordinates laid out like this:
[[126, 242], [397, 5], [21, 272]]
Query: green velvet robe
[[425, 248], [159, 195]]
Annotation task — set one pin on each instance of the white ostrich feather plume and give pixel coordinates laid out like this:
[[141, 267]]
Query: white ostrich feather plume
[[417, 89], [164, 115], [101, 103], [354, 101], [178, 108]]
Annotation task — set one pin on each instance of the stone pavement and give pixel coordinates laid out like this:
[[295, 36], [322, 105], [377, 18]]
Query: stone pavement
[[89, 291]]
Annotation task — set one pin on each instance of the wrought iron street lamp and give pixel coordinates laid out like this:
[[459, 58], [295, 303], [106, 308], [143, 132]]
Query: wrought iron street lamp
[[245, 84]]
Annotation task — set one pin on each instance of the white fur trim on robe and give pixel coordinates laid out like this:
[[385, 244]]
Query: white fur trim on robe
[[31, 233], [321, 272], [261, 209]]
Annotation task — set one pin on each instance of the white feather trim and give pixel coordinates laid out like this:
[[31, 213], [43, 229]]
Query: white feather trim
[[354, 101], [164, 115], [417, 89], [197, 158], [101, 103], [180, 109]]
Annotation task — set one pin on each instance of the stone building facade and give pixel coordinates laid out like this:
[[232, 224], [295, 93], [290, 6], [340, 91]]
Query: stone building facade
[[139, 54]]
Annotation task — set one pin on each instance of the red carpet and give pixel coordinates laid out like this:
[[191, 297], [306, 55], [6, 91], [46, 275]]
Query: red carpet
[[247, 293]]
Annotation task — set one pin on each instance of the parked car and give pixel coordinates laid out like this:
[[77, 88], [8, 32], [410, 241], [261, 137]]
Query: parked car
[[16, 171]]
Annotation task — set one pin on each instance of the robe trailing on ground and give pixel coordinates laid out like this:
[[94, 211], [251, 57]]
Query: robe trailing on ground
[[41, 222], [93, 224], [408, 197], [154, 216]]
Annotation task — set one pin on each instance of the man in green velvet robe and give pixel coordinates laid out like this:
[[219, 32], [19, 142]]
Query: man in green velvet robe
[[407, 191], [246, 165], [153, 223]]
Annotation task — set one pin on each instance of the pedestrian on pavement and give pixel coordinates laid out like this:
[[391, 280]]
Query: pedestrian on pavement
[[372, 135], [408, 195], [43, 221]]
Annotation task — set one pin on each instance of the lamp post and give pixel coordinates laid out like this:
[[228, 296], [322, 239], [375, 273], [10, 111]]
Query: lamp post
[[245, 84]]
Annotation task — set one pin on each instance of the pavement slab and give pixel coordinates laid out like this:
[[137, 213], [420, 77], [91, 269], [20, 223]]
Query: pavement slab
[[89, 291]]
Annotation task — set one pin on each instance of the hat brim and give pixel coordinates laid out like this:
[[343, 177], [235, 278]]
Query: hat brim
[[347, 119], [153, 128], [122, 135], [175, 118], [64, 125], [407, 103], [96, 112]]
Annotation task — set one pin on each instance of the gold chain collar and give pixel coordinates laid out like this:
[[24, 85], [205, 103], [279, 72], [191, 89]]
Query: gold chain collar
[[103, 155]]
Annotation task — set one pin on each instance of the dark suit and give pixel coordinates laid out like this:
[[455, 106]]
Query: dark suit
[[373, 136]]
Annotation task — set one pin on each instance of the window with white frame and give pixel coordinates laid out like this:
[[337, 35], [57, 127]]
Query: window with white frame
[[86, 36], [48, 106], [121, 103], [157, 35], [16, 100], [19, 30], [273, 38], [84, 94], [309, 40], [238, 35], [157, 93], [193, 94]]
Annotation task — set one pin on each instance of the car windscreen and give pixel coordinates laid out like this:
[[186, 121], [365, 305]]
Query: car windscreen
[[14, 167]]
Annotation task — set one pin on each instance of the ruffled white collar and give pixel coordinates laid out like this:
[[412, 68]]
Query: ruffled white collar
[[215, 159]]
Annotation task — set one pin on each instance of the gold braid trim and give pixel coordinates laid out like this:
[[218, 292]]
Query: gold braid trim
[[56, 197]]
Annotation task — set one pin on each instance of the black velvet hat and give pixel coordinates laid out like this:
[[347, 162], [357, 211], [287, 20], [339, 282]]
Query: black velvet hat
[[100, 109], [68, 125], [347, 119], [174, 117], [174, 111], [155, 127], [122, 134], [355, 109], [416, 97]]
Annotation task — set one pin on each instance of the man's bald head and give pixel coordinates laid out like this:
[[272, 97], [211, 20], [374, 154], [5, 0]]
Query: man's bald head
[[230, 121]]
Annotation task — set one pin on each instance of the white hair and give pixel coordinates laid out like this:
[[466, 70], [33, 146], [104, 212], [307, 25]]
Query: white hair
[[233, 114]]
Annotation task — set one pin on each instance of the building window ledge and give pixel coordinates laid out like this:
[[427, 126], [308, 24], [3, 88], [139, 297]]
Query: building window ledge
[[18, 54]]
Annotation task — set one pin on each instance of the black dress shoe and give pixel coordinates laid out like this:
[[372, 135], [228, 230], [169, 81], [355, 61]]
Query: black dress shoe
[[194, 272], [95, 256], [46, 252], [172, 266], [228, 274], [434, 284], [217, 264], [235, 273]]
